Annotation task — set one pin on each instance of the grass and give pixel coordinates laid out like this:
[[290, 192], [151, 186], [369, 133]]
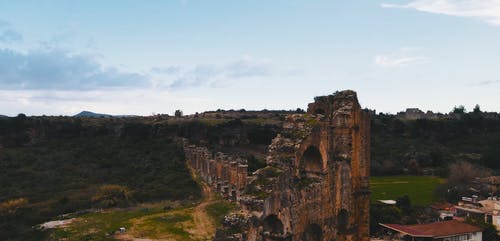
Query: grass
[[96, 226], [219, 209], [152, 222], [171, 223], [149, 221], [420, 189]]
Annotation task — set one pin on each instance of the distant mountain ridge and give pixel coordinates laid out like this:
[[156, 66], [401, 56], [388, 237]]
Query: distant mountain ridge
[[91, 114], [99, 115]]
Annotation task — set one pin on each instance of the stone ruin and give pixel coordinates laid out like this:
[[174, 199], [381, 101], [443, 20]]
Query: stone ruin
[[315, 186], [227, 174]]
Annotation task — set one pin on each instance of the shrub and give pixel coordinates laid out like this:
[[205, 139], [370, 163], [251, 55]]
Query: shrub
[[10, 207], [112, 196]]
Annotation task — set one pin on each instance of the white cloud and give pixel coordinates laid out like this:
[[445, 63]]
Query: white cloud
[[485, 10], [487, 82], [394, 61], [60, 70], [403, 56], [208, 75]]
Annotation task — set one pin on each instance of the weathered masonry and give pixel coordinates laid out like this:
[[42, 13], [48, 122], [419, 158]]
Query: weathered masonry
[[315, 186], [225, 173]]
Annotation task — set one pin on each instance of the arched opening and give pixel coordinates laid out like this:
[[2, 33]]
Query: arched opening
[[233, 195], [343, 221], [312, 233], [319, 111], [273, 225], [312, 160]]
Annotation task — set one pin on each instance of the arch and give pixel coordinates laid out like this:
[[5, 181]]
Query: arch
[[233, 195], [312, 232], [319, 111], [343, 221], [273, 225], [312, 160]]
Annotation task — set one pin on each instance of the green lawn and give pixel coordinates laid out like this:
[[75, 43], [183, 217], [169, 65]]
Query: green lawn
[[420, 189]]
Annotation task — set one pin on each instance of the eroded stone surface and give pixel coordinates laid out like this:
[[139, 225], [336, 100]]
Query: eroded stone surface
[[316, 184]]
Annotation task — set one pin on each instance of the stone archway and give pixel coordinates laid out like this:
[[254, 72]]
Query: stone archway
[[273, 226], [312, 232], [319, 111], [312, 160], [343, 221]]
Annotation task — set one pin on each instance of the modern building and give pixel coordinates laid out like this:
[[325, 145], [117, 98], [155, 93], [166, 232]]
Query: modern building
[[452, 230], [446, 211], [489, 210]]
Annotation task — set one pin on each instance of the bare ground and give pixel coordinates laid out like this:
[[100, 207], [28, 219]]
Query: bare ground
[[204, 226], [200, 228]]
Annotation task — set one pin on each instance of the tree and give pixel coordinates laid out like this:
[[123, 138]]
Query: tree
[[178, 113], [477, 109], [404, 204], [112, 196], [463, 172], [489, 230], [413, 167], [381, 213], [459, 109]]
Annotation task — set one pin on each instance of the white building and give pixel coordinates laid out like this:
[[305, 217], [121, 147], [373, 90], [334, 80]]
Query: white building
[[488, 209]]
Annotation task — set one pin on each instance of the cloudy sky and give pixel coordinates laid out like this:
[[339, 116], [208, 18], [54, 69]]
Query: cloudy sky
[[144, 57]]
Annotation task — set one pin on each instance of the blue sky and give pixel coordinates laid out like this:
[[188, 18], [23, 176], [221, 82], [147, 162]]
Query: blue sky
[[144, 57]]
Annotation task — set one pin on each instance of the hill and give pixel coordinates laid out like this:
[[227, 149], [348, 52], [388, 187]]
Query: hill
[[429, 146], [91, 114], [67, 165]]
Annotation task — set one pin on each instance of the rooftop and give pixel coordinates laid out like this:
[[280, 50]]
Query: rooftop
[[434, 230]]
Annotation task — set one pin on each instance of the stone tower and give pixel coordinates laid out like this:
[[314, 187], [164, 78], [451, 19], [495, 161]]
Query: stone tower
[[321, 189]]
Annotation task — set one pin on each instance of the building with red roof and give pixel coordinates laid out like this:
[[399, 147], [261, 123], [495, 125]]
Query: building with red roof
[[452, 230]]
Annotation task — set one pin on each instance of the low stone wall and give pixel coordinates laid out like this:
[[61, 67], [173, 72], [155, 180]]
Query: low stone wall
[[227, 174]]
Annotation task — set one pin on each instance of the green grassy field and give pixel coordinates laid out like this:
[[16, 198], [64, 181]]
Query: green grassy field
[[420, 189], [150, 221], [101, 225]]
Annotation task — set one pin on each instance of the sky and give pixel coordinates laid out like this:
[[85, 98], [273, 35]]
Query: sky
[[60, 57]]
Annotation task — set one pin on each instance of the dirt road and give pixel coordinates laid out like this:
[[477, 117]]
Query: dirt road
[[200, 228], [204, 226]]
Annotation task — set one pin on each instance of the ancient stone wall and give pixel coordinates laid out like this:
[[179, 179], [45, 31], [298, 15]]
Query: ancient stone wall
[[323, 193], [225, 173], [315, 186]]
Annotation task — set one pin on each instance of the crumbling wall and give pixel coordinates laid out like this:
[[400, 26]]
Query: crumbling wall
[[315, 186], [323, 191], [225, 173]]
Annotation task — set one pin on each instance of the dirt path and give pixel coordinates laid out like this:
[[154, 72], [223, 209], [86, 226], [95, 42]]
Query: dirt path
[[200, 228], [204, 226]]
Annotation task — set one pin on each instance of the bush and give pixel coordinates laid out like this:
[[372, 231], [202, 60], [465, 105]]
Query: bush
[[10, 207], [112, 196]]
